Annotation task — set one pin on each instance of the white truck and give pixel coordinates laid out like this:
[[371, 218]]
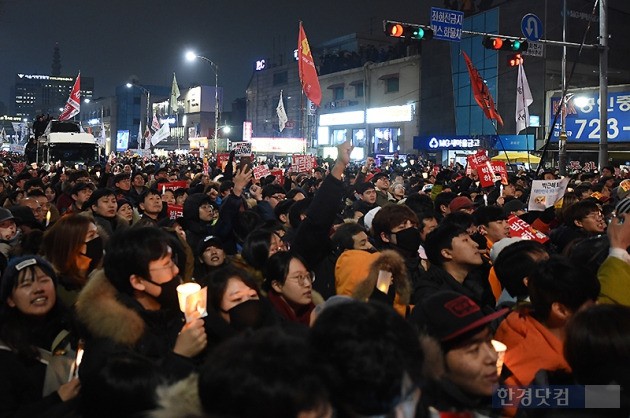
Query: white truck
[[64, 141]]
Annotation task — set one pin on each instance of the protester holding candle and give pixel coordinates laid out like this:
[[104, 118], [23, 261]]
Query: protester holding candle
[[132, 303], [31, 319]]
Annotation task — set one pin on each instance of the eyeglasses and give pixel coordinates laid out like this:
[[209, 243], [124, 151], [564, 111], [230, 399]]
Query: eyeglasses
[[303, 279], [207, 206], [278, 196], [596, 215]]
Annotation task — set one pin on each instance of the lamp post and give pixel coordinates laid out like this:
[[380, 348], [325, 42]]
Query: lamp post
[[191, 56], [148, 93]]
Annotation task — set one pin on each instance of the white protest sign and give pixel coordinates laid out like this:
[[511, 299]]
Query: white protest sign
[[545, 193], [242, 149]]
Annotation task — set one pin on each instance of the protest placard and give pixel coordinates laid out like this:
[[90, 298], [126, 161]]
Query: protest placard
[[261, 171], [521, 229], [242, 149], [302, 163], [175, 211], [545, 193]]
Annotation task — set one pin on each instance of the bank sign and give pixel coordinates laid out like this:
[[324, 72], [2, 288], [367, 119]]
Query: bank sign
[[583, 117], [464, 142]]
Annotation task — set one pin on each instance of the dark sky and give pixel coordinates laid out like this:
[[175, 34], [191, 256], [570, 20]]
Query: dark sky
[[115, 39]]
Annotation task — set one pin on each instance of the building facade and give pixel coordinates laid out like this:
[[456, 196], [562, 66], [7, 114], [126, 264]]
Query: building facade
[[35, 94]]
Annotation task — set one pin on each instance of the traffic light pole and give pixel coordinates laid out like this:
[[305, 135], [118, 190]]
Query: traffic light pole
[[602, 159]]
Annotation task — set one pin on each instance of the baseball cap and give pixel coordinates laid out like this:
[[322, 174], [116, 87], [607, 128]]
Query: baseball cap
[[5, 214], [15, 266], [513, 205], [209, 241], [461, 202], [364, 187], [447, 315], [378, 176]]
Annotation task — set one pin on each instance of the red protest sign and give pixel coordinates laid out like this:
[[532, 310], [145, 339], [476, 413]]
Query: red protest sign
[[521, 229], [499, 169], [302, 163], [173, 185], [175, 211], [486, 175], [279, 175], [477, 159], [222, 159], [261, 171]]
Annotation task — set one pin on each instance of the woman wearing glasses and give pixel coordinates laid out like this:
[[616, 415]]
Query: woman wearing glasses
[[289, 285]]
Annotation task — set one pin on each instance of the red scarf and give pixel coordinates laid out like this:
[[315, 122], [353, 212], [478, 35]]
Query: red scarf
[[303, 314]]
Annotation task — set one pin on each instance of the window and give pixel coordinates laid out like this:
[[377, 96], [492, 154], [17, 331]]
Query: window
[[338, 93], [392, 85], [280, 78], [358, 90]]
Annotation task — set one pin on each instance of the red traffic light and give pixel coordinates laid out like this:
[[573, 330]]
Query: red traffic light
[[396, 30], [502, 43], [515, 60]]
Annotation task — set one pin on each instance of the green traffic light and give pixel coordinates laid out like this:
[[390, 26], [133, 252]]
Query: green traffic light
[[516, 45], [419, 33]]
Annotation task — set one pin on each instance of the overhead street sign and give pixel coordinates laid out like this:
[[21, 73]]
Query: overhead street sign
[[447, 24], [532, 27], [534, 49]]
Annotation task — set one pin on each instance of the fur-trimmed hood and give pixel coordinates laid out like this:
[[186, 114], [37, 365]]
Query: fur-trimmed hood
[[179, 400], [98, 307], [388, 260]]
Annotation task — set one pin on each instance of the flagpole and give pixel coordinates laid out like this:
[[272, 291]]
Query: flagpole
[[494, 125]]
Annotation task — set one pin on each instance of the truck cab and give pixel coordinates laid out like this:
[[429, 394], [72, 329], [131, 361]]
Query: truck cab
[[64, 141]]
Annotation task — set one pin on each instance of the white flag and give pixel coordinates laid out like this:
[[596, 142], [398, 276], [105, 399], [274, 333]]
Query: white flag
[[147, 139], [103, 137], [140, 135], [282, 114], [174, 95], [523, 100], [161, 134]]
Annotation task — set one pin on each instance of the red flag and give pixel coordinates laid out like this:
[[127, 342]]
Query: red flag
[[155, 124], [307, 71], [482, 94], [73, 105]]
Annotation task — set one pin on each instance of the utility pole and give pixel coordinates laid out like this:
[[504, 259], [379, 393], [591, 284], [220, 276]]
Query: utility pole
[[603, 83], [562, 140]]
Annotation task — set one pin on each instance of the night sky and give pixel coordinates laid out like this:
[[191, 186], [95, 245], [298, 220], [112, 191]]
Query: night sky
[[115, 40]]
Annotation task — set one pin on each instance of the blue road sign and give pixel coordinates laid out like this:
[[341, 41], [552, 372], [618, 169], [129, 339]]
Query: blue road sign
[[447, 24], [532, 27]]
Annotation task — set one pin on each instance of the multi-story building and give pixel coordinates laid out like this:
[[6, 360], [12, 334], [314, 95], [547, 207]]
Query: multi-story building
[[370, 91], [448, 108], [35, 94]]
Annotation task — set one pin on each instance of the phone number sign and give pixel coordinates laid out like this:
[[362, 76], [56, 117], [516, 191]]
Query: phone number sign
[[582, 120]]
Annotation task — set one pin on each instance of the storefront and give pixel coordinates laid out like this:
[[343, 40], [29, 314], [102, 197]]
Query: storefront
[[383, 130]]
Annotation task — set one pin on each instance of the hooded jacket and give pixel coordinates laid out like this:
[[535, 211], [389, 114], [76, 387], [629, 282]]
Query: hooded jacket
[[530, 347], [115, 321], [196, 229]]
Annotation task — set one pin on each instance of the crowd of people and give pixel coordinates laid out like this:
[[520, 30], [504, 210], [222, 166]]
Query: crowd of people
[[345, 291]]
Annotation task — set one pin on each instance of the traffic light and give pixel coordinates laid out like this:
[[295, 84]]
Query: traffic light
[[499, 43], [407, 31], [515, 60]]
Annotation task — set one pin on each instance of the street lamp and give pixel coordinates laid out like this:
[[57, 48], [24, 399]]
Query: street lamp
[[191, 56], [148, 93]]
